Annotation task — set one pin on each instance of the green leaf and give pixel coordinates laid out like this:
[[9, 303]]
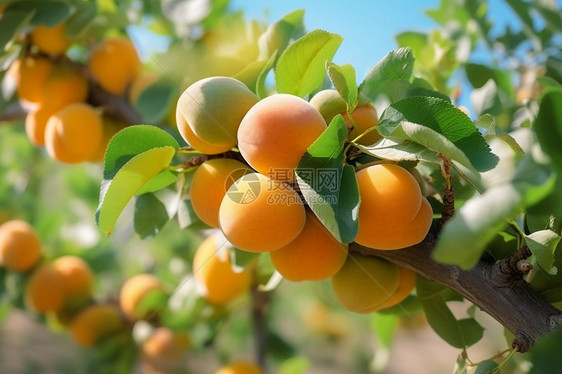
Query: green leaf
[[150, 215], [11, 24], [417, 41], [132, 141], [261, 91], [548, 126], [543, 244], [545, 355], [45, 12], [461, 366], [398, 65], [240, 258], [439, 126], [329, 188], [344, 81], [156, 100], [186, 214], [295, 365], [278, 34], [406, 150], [78, 23], [487, 367], [384, 327], [251, 73], [301, 67], [161, 180], [151, 303], [458, 333], [117, 192], [479, 74], [409, 307]]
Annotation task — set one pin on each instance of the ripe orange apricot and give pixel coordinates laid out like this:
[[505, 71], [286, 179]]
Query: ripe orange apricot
[[140, 83], [51, 40], [329, 103], [45, 290], [36, 123], [210, 182], [114, 63], [213, 271], [78, 277], [364, 283], [74, 134], [240, 367], [20, 248], [193, 140], [30, 77], [259, 214], [65, 85], [314, 254], [95, 323], [405, 287], [212, 109], [164, 350], [276, 132], [393, 213], [135, 292]]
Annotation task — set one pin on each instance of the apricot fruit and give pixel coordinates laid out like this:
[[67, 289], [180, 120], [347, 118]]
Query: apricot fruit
[[51, 40], [240, 367], [313, 255], [276, 132], [45, 290], [393, 213], [31, 75], [164, 350], [20, 247], [405, 286], [364, 283], [65, 85], [134, 294], [213, 108], [259, 214], [193, 140], [74, 134], [210, 182], [213, 271], [36, 123], [114, 63], [329, 103], [78, 277], [95, 323]]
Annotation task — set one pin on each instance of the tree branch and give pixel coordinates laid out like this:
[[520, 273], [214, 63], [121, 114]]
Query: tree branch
[[495, 288]]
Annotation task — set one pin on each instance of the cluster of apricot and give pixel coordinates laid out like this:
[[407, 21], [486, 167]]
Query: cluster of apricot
[[56, 92], [63, 289], [255, 201]]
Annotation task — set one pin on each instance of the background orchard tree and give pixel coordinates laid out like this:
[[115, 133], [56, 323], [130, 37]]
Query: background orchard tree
[[470, 225]]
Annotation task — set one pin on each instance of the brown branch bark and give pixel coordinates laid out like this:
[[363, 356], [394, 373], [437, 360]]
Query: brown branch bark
[[495, 288], [259, 303]]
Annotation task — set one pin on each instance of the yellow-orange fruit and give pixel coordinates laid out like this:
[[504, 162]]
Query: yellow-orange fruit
[[276, 132], [364, 283], [78, 277], [314, 254], [140, 83], [259, 214], [240, 367], [329, 103], [135, 291], [213, 108], [31, 77], [405, 286], [164, 350], [215, 274], [45, 290], [209, 185], [393, 213], [36, 123], [51, 40], [74, 134], [20, 248], [114, 63], [95, 323], [193, 140], [65, 85]]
